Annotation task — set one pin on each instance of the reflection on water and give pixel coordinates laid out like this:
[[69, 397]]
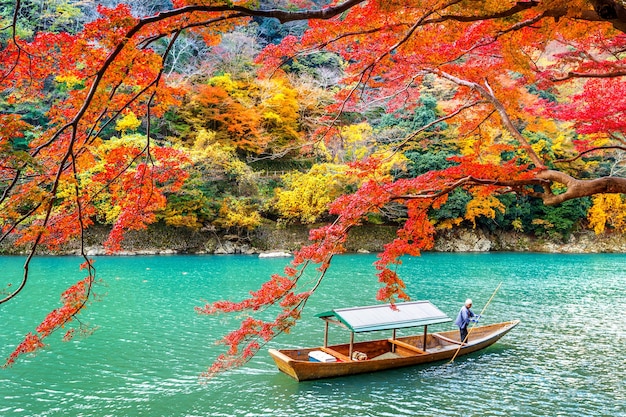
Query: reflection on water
[[565, 358]]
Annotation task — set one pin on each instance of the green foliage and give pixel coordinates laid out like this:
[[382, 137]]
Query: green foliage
[[423, 161], [453, 209], [315, 64], [529, 215], [547, 95], [188, 208], [562, 220], [272, 31], [421, 116], [45, 16]]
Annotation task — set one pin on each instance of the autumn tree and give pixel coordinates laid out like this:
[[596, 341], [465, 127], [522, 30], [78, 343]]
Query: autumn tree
[[306, 195], [513, 67]]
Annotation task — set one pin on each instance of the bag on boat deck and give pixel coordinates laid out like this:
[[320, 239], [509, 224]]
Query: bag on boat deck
[[359, 356]]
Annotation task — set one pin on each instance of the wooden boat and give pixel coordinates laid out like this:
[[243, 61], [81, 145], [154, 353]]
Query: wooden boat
[[377, 355]]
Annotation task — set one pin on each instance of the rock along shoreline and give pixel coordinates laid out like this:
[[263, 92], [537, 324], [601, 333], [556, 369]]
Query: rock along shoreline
[[271, 240]]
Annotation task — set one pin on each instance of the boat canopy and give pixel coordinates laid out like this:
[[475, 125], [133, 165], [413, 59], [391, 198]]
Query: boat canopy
[[387, 316]]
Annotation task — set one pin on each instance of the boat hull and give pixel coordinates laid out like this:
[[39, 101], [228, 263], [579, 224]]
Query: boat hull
[[387, 354]]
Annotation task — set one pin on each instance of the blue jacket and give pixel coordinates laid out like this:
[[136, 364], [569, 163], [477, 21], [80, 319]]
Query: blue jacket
[[463, 319]]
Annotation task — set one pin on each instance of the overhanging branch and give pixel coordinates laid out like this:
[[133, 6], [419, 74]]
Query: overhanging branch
[[576, 188], [471, 180]]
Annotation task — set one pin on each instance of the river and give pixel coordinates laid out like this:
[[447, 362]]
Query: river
[[567, 357]]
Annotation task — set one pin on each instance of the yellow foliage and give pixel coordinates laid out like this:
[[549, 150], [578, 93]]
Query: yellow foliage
[[357, 141], [607, 210], [225, 81], [221, 155], [544, 223], [273, 117], [238, 213], [204, 140], [280, 109], [547, 126], [128, 123], [183, 220], [483, 206], [467, 144], [66, 190], [71, 81], [307, 195], [517, 225], [482, 142], [449, 223], [540, 146], [134, 140], [561, 144], [598, 139], [110, 213]]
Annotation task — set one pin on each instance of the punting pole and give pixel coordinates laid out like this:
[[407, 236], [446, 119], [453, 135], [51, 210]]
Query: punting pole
[[471, 328]]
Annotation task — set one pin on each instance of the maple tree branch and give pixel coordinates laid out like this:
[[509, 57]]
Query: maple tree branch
[[69, 156], [9, 187], [13, 26], [488, 94], [598, 148], [575, 188], [493, 38], [283, 16], [604, 10], [368, 69], [471, 180], [517, 8], [324, 44], [574, 74], [38, 236], [31, 254], [146, 42], [578, 188]]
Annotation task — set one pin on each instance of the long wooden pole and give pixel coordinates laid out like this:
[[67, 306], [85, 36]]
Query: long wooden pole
[[473, 325]]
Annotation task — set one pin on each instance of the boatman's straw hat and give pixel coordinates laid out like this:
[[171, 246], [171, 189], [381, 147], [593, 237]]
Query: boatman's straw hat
[[468, 302]]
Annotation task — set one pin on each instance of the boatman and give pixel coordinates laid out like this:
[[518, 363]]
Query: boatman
[[463, 319]]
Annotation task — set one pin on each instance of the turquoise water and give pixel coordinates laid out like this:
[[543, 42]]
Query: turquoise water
[[567, 357]]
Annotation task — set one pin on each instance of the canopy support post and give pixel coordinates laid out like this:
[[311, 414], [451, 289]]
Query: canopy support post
[[351, 344], [425, 334], [326, 333], [393, 336]]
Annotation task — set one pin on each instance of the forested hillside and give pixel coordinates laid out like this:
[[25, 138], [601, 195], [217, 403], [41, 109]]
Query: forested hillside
[[254, 148]]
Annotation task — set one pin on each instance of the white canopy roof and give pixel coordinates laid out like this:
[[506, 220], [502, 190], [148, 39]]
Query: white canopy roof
[[386, 316]]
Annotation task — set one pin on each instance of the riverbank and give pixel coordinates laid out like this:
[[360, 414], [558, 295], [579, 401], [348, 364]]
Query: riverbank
[[271, 238]]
